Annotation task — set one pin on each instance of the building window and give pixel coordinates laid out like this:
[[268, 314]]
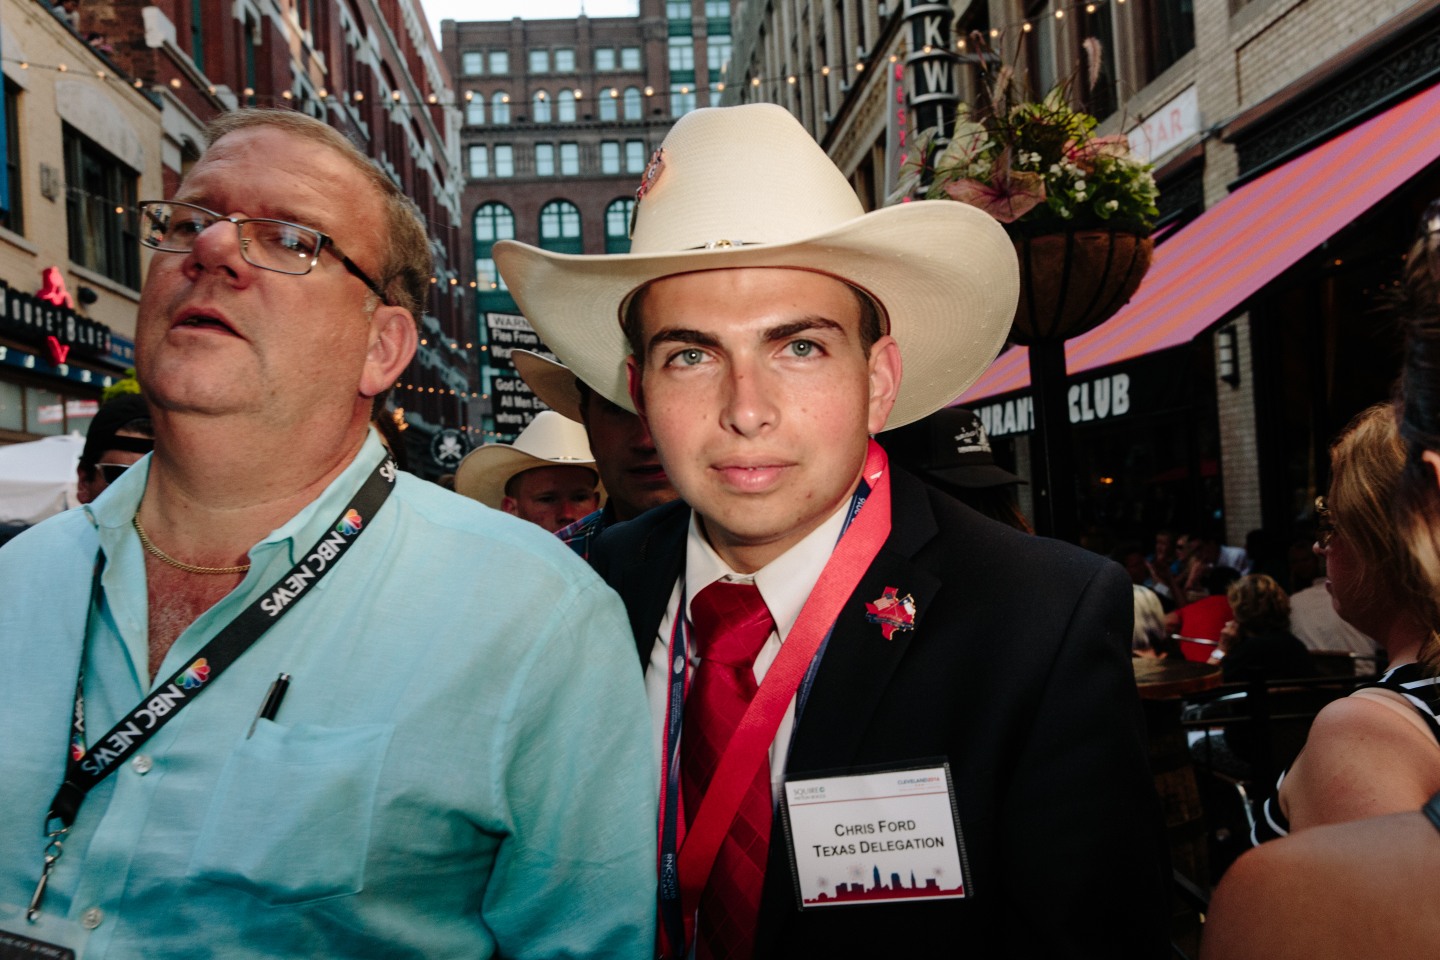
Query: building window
[[617, 225], [629, 58], [14, 218], [604, 59], [1100, 100], [479, 162], [565, 60], [493, 222], [544, 159], [475, 110], [717, 9], [539, 61], [682, 53], [560, 227], [569, 159], [1169, 34], [634, 156], [1039, 45], [100, 210], [504, 160], [717, 55], [677, 9], [682, 99], [197, 34], [540, 107], [565, 107], [499, 63], [609, 106], [632, 106], [609, 156], [472, 63], [500, 108]]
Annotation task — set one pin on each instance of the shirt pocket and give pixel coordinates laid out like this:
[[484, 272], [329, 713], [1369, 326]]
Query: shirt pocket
[[290, 821]]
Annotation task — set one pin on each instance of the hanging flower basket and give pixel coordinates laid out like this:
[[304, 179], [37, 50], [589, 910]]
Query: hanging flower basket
[[1074, 280]]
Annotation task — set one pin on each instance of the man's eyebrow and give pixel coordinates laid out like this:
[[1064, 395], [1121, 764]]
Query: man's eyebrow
[[694, 338], [803, 325]]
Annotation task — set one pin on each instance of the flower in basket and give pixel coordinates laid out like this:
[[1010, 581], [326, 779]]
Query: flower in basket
[[1033, 162]]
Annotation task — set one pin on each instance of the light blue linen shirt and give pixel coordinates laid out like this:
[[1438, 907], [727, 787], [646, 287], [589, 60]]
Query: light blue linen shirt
[[461, 766]]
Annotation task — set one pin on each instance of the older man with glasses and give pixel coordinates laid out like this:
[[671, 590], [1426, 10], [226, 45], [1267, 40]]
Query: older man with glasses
[[440, 750]]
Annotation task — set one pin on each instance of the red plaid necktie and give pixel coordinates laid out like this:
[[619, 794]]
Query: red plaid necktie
[[730, 624]]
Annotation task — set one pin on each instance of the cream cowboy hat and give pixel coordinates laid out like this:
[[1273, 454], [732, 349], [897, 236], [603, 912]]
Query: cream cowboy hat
[[552, 382], [747, 186], [549, 441]]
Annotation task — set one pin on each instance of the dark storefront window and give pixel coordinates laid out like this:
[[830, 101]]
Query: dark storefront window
[[100, 210]]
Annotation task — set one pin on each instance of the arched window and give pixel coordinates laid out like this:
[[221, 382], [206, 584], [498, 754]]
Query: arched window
[[493, 222], [540, 107], [609, 103], [560, 227], [566, 106], [500, 107], [633, 106], [475, 110], [617, 225]]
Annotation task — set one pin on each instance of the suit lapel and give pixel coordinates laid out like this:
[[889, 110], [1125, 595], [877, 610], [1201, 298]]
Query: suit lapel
[[650, 576], [858, 661]]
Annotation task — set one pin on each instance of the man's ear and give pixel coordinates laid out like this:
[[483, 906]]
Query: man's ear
[[1433, 458], [393, 341], [634, 385], [885, 371], [510, 505]]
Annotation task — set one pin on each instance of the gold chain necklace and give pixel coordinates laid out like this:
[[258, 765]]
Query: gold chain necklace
[[164, 557]]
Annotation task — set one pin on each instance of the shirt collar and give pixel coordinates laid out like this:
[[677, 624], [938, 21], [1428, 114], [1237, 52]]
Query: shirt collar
[[785, 583], [115, 508]]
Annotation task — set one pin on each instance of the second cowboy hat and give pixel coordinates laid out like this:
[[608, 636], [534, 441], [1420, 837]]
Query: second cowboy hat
[[549, 441], [552, 382], [747, 186]]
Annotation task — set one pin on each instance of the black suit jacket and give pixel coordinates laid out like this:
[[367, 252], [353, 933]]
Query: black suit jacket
[[1018, 672]]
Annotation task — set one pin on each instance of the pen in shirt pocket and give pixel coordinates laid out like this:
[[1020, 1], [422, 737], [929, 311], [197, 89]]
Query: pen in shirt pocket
[[270, 706]]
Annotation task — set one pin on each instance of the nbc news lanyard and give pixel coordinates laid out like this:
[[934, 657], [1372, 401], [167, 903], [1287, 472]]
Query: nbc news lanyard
[[84, 769], [685, 862]]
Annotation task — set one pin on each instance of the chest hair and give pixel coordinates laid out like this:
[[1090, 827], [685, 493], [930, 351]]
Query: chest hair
[[175, 599]]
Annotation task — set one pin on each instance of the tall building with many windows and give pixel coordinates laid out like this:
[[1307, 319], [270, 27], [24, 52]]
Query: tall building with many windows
[[1294, 146], [560, 118]]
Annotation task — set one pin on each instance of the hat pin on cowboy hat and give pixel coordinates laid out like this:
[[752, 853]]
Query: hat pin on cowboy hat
[[550, 440], [747, 186]]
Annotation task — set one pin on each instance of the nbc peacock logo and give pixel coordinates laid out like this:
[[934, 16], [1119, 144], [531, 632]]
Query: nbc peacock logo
[[351, 523], [195, 674]]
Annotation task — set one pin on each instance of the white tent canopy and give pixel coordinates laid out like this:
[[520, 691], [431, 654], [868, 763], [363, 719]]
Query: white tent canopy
[[37, 479]]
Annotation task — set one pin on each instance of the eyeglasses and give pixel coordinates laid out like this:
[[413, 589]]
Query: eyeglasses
[[111, 471], [1429, 234], [1324, 524], [277, 245]]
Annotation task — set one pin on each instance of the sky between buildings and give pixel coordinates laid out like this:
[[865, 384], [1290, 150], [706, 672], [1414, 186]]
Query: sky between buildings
[[437, 10]]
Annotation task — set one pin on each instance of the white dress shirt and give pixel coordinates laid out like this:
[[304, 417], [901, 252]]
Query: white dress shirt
[[785, 584]]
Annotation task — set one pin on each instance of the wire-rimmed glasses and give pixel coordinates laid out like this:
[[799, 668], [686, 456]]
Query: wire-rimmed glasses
[[1324, 523], [277, 245]]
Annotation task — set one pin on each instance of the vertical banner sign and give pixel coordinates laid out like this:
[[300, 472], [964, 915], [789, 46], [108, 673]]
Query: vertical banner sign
[[934, 87], [897, 128]]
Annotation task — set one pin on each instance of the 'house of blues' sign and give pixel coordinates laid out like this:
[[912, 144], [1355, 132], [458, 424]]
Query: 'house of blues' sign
[[29, 319]]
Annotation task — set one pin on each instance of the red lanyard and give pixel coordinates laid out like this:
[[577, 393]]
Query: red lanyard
[[750, 744]]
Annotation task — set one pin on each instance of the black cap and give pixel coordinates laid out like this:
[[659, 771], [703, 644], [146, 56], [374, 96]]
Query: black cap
[[949, 445], [112, 417]]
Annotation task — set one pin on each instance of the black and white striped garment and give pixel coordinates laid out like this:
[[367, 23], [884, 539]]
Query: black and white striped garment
[[1408, 680]]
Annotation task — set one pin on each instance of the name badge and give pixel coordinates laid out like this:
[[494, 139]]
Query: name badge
[[52, 938], [875, 838]]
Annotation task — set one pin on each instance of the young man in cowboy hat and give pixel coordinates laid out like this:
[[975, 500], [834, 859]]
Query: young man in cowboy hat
[[945, 750], [625, 455], [547, 476]]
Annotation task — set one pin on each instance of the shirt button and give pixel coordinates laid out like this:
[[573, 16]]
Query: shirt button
[[92, 918], [142, 764]]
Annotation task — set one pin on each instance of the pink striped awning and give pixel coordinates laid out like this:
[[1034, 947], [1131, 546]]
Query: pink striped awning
[[1213, 264]]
